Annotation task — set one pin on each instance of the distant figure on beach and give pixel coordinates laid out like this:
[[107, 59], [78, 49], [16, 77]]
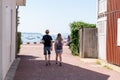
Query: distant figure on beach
[[68, 41], [47, 41], [59, 48]]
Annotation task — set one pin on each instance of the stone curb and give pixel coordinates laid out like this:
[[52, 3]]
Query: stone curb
[[102, 63], [11, 73]]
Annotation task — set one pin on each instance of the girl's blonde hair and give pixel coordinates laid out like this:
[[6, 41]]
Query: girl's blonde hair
[[59, 37]]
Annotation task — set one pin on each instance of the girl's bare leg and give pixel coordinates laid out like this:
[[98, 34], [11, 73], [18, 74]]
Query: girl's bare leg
[[60, 57], [56, 58]]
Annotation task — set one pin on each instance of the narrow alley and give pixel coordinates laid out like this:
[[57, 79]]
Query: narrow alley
[[32, 67]]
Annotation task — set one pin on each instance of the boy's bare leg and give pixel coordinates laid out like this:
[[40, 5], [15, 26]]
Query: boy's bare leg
[[46, 60], [49, 59]]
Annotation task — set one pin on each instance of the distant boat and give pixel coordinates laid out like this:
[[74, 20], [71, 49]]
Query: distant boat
[[30, 38], [38, 37]]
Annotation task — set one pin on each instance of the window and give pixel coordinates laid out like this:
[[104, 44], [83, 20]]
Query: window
[[102, 6], [101, 27], [118, 33]]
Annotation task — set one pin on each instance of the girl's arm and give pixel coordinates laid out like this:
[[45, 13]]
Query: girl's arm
[[55, 44]]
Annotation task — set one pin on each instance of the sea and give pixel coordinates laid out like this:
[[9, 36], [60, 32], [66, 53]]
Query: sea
[[37, 37]]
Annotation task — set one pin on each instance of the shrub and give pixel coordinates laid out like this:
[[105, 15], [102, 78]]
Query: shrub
[[19, 42], [75, 27]]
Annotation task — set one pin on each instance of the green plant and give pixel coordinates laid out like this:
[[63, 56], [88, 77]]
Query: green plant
[[98, 62], [19, 42], [75, 27], [74, 49], [106, 66]]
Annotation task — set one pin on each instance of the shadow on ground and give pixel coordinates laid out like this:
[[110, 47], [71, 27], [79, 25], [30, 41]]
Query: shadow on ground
[[31, 69]]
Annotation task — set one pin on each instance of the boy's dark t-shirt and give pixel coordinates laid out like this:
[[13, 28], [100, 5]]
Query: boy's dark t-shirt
[[47, 40]]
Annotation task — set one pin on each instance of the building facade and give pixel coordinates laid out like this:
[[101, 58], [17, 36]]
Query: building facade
[[113, 32], [101, 25], [7, 35], [108, 24], [0, 40]]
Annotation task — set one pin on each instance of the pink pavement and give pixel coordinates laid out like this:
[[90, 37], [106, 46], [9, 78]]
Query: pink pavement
[[32, 67]]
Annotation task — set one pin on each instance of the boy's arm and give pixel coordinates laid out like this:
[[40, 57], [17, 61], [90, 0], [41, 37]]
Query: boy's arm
[[51, 45], [42, 40]]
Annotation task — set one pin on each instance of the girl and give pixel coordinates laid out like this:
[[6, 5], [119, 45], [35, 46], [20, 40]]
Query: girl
[[59, 48]]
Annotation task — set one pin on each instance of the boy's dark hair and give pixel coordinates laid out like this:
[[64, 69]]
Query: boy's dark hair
[[47, 31]]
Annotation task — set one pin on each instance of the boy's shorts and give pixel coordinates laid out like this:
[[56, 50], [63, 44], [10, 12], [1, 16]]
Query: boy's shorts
[[47, 50]]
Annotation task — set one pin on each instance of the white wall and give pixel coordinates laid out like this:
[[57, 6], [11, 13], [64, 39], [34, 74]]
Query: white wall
[[102, 6], [13, 32], [0, 40], [101, 25], [7, 38], [8, 34]]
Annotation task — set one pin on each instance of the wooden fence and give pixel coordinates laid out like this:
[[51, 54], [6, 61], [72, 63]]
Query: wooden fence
[[88, 43]]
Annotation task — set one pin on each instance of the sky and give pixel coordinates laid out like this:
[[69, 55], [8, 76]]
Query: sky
[[55, 15]]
